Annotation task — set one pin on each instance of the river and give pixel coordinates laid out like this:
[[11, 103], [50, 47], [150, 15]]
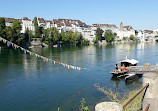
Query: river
[[29, 84]]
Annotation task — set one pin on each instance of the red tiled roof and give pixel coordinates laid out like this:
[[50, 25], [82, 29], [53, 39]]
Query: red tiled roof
[[26, 18], [10, 20], [105, 25], [41, 20], [68, 22], [49, 21], [128, 27], [148, 31]]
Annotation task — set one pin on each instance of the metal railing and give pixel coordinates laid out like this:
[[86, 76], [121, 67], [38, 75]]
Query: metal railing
[[147, 108], [145, 87]]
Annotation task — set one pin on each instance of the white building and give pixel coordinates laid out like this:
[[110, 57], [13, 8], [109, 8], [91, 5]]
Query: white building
[[125, 31], [76, 26], [88, 32], [27, 24], [140, 36], [147, 35], [8, 21]]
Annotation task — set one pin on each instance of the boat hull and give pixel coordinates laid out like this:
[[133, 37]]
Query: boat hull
[[117, 73]]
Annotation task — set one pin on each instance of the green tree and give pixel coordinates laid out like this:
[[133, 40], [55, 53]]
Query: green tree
[[46, 33], [80, 39], [72, 37], [132, 38], [54, 34], [51, 36], [64, 37], [9, 32], [28, 35], [125, 38], [99, 33], [2, 27], [109, 36], [16, 28], [30, 32], [37, 29], [46, 36]]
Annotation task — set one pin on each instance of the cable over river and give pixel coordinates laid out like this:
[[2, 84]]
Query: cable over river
[[29, 84]]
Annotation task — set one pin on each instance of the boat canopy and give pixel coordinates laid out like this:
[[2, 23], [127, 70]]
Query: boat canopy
[[131, 61]]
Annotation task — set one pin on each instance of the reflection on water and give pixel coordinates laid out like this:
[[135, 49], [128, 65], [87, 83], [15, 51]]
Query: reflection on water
[[29, 84]]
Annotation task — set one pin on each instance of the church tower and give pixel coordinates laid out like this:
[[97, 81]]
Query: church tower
[[121, 26]]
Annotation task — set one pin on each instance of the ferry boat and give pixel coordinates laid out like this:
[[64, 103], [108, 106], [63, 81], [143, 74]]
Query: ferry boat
[[124, 66]]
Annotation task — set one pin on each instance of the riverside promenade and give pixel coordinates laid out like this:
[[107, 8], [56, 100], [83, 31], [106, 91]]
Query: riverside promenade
[[150, 94]]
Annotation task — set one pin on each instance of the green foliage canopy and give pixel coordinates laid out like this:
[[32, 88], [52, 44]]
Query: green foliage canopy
[[109, 36], [37, 29], [2, 27], [99, 33]]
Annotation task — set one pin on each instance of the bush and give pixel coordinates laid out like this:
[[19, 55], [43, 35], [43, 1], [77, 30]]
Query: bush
[[94, 41], [125, 38], [156, 36], [85, 42], [133, 38], [46, 42], [82, 106]]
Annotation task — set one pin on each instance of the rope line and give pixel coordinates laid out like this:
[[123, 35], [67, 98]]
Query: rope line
[[45, 59]]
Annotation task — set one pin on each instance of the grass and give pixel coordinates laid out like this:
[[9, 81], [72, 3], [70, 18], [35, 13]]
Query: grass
[[135, 105]]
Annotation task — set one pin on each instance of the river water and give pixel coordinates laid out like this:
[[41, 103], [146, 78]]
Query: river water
[[29, 84]]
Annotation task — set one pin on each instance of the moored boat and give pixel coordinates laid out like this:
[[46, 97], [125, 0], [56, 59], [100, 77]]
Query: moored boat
[[117, 72], [124, 66]]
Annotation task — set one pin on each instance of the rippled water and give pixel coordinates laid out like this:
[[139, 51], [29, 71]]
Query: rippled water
[[29, 84]]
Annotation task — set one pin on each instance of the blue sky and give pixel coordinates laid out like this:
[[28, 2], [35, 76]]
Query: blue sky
[[141, 14]]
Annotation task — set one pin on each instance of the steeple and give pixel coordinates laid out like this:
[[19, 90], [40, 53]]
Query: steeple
[[121, 26]]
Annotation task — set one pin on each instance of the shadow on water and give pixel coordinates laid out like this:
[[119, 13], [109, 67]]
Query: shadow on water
[[117, 80]]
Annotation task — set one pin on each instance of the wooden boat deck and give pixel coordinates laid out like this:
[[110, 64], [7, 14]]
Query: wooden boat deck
[[143, 69]]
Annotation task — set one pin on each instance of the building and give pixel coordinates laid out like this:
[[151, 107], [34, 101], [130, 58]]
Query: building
[[88, 32], [140, 36], [104, 27], [27, 24], [8, 21], [125, 31]]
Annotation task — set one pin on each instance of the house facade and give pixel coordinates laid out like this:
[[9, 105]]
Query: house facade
[[125, 31], [88, 32]]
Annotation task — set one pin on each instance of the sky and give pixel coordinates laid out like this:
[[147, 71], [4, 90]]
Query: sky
[[140, 14]]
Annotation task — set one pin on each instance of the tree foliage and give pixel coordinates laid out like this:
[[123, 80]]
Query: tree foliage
[[52, 37], [2, 27], [28, 35], [37, 29], [132, 38], [16, 30], [9, 33], [99, 33], [109, 36]]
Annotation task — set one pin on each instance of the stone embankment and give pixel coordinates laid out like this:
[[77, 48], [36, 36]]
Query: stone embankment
[[151, 96]]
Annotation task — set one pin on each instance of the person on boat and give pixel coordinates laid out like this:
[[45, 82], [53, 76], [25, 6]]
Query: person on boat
[[116, 65], [123, 67], [126, 69]]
